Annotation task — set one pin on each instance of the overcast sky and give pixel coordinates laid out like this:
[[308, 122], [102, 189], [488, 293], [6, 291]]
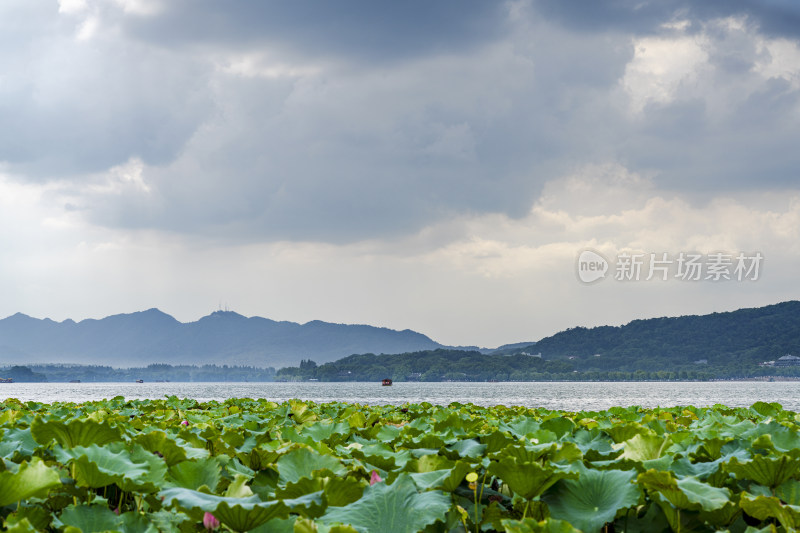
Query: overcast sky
[[436, 166]]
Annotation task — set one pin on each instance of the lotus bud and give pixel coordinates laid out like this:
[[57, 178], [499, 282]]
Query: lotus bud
[[185, 423], [374, 478], [210, 521]]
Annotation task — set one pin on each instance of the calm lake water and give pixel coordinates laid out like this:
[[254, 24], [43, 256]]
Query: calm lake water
[[571, 396]]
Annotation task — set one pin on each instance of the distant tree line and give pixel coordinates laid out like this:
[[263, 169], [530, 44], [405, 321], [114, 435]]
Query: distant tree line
[[154, 372], [458, 365], [430, 365]]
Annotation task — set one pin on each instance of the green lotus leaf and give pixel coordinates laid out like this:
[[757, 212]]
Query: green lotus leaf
[[767, 529], [468, 448], [653, 521], [338, 491], [97, 466], [594, 445], [560, 425], [17, 443], [396, 508], [74, 432], [623, 432], [683, 467], [789, 492], [32, 479], [324, 430], [357, 420], [388, 433], [527, 479], [765, 507], [766, 409], [342, 491], [707, 450], [238, 487], [775, 437], [496, 441], [447, 480], [643, 447], [300, 412], [594, 498], [382, 456], [307, 497], [240, 514], [723, 517], [766, 471], [687, 493], [531, 453], [529, 525], [303, 525], [22, 525], [259, 458], [89, 518], [38, 517], [522, 427], [300, 488], [195, 474], [429, 463], [167, 521], [158, 441], [287, 525], [303, 462], [134, 522]]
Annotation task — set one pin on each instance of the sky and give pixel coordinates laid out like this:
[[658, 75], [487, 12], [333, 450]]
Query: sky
[[438, 166]]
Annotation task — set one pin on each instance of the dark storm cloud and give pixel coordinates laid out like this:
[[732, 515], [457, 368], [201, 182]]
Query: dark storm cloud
[[751, 148], [780, 18], [356, 29], [69, 108], [397, 115]]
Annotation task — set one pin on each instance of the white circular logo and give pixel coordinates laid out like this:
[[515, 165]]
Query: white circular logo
[[591, 266]]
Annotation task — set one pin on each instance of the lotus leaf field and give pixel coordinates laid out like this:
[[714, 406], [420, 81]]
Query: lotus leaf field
[[255, 465]]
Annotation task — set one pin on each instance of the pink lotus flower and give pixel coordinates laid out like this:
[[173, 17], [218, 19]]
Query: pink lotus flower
[[374, 478], [210, 521], [185, 423]]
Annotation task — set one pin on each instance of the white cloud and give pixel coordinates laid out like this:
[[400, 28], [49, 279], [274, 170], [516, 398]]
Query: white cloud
[[71, 7], [661, 66]]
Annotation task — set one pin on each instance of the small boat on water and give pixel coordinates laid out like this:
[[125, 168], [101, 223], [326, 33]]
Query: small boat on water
[[139, 381], [6, 380], [387, 382], [74, 381]]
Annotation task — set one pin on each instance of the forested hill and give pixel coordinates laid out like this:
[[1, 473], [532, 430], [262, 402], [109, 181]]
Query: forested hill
[[740, 338], [716, 346]]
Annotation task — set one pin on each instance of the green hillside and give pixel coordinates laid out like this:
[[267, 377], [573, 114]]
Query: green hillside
[[717, 346], [734, 340]]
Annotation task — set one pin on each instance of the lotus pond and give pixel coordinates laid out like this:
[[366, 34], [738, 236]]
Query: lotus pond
[[254, 465]]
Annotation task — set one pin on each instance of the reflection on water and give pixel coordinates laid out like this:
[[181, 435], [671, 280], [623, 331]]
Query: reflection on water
[[571, 396]]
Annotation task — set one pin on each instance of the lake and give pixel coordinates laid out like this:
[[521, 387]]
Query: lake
[[570, 396]]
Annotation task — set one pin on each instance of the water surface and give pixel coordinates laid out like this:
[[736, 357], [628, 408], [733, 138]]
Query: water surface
[[571, 396]]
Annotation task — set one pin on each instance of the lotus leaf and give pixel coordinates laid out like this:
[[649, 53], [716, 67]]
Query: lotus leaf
[[32, 479], [594, 498], [396, 508]]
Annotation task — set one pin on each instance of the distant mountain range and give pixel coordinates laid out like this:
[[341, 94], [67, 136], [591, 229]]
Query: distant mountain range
[[221, 338], [733, 341]]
